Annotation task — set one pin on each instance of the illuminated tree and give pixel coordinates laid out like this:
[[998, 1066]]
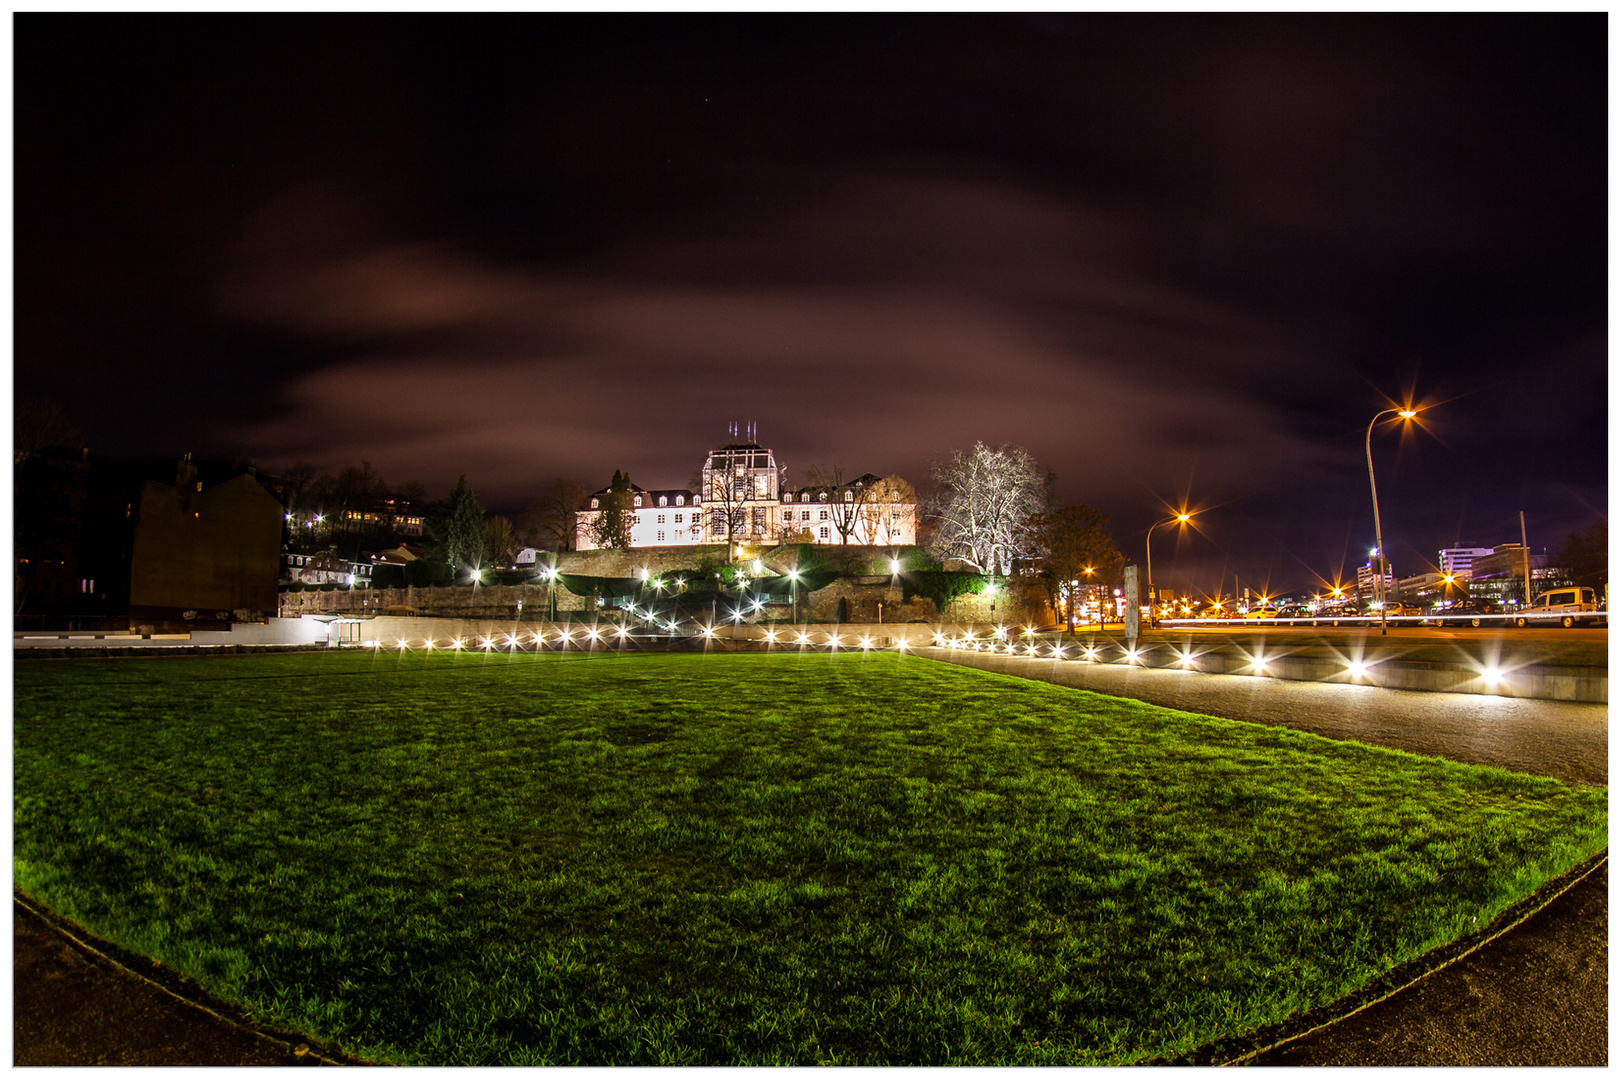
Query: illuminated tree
[[984, 498], [885, 509], [843, 497], [727, 499]]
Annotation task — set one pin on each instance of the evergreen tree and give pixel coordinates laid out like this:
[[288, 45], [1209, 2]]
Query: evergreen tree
[[611, 529], [463, 528]]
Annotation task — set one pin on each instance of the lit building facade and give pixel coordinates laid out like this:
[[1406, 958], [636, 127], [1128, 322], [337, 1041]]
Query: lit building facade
[[743, 499], [1367, 581], [1459, 561]]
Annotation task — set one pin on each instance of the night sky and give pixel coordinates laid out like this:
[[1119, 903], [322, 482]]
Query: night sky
[[1173, 256]]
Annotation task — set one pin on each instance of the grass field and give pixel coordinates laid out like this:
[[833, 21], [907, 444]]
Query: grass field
[[466, 859]]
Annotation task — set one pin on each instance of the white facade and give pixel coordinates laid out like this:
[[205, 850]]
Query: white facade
[[742, 500], [1460, 561]]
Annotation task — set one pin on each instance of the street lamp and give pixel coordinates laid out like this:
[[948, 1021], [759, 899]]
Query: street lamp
[[1181, 518], [1378, 528]]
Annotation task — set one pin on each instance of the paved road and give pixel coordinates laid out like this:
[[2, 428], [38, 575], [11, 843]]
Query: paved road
[[1567, 740]]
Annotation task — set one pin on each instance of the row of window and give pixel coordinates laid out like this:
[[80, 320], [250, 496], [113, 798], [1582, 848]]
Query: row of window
[[680, 500]]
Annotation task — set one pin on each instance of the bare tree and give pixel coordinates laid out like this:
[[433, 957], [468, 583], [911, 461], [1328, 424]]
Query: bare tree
[[1073, 547], [500, 544], [548, 522], [843, 497], [985, 496], [886, 508], [727, 499], [39, 425]]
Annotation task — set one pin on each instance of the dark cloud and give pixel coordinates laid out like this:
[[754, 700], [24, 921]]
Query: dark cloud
[[1172, 255]]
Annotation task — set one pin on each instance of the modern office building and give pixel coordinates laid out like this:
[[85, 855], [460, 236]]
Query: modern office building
[[1459, 561]]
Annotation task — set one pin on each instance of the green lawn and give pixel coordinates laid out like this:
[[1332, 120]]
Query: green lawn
[[734, 859]]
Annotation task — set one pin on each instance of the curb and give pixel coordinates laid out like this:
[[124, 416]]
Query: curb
[[174, 985], [1240, 1049]]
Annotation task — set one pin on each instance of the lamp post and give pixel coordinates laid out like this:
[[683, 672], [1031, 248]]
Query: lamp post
[[1152, 596], [1378, 528]]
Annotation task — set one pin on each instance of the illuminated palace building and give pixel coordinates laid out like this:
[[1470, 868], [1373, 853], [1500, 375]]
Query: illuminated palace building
[[743, 498]]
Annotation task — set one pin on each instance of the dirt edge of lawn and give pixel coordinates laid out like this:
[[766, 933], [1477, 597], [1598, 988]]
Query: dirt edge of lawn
[[302, 1049], [294, 1047], [1240, 1049]]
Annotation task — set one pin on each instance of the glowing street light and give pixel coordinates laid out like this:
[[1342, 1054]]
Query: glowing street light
[[1153, 596], [1378, 528]]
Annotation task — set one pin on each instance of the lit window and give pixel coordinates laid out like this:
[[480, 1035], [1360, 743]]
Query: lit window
[[680, 500], [638, 500], [849, 496], [595, 503], [663, 500]]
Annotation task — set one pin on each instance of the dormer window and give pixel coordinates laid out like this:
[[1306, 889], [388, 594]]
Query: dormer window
[[680, 500], [821, 496], [595, 503], [638, 500], [849, 496], [663, 500], [805, 497]]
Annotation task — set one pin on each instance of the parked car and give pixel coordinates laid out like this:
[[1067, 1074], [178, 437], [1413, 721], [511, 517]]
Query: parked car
[[1261, 613], [1468, 612], [1396, 610], [1569, 602]]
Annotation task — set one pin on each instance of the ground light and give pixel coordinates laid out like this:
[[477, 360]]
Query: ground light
[[1091, 654], [1357, 669], [1187, 658], [804, 639], [1491, 676]]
